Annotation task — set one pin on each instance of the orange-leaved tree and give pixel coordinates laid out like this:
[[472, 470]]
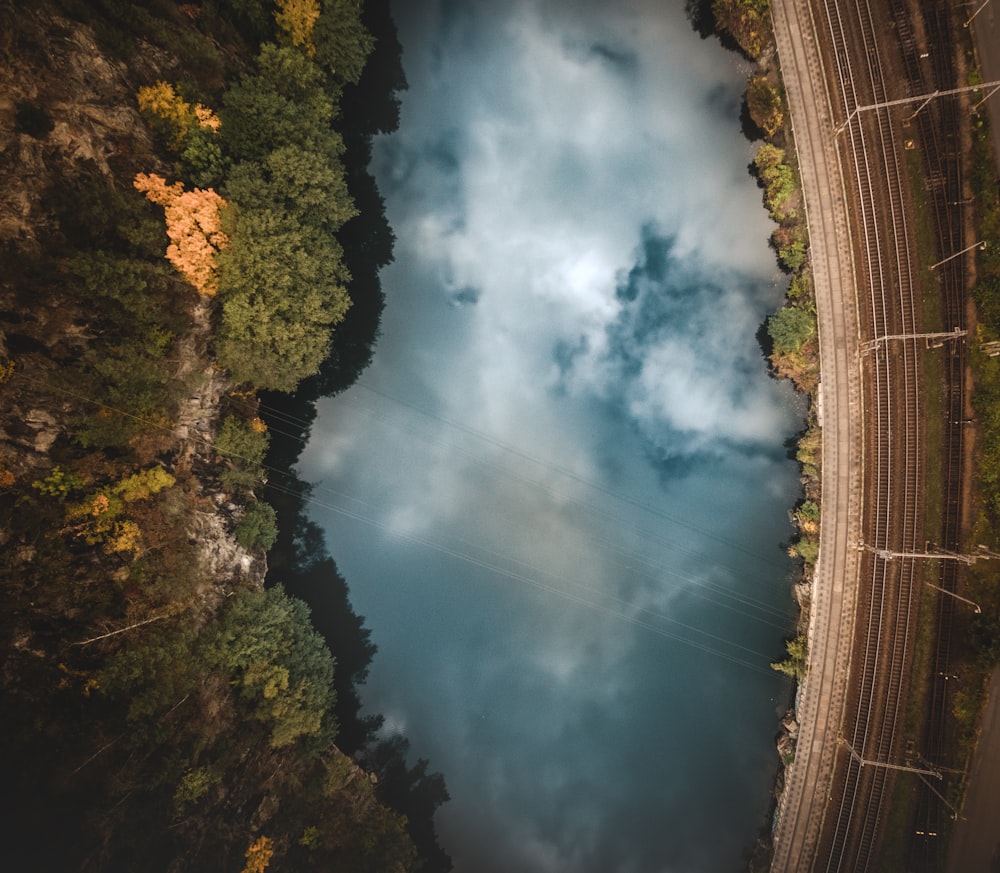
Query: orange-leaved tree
[[259, 855], [193, 226]]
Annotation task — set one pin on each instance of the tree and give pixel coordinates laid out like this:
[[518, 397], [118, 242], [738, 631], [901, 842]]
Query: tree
[[342, 43], [279, 665], [193, 226], [764, 105], [243, 447], [258, 527], [175, 117], [284, 103], [296, 19], [791, 327], [796, 663], [747, 20], [258, 856], [153, 675], [137, 390], [99, 518], [296, 181], [283, 290], [778, 179]]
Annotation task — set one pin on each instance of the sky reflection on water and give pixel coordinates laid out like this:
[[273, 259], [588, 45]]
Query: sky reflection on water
[[563, 483]]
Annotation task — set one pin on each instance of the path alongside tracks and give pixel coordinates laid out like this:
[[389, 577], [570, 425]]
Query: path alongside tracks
[[822, 694]]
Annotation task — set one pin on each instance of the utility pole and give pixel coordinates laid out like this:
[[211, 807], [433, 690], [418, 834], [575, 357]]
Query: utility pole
[[925, 98], [974, 14], [876, 344], [981, 244], [890, 555], [864, 762]]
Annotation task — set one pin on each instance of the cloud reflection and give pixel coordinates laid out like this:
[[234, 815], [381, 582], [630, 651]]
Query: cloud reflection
[[564, 455]]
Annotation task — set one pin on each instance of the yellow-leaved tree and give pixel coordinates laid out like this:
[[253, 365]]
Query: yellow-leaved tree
[[194, 227], [297, 18], [174, 113]]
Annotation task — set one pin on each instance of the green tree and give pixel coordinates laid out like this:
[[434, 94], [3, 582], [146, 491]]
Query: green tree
[[342, 43], [764, 105], [243, 448], [284, 289], [284, 103], [778, 179], [135, 387], [258, 527], [279, 665], [153, 675], [796, 663], [791, 327], [298, 182], [59, 483]]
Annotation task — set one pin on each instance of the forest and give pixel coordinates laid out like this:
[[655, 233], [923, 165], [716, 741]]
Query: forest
[[190, 244]]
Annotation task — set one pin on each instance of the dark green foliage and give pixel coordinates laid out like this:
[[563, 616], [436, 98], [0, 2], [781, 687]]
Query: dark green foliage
[[253, 18], [808, 510], [157, 718], [95, 214], [789, 241], [986, 402], [153, 676], [414, 792], [279, 665], [800, 291], [778, 179], [202, 161], [796, 663], [282, 278], [243, 450], [372, 105], [131, 389], [298, 182], [299, 558], [263, 648], [283, 290], [342, 43], [984, 640], [258, 528], [987, 297], [791, 327], [127, 295], [284, 103]]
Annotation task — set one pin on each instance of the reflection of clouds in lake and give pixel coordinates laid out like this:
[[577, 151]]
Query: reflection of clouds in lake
[[570, 440]]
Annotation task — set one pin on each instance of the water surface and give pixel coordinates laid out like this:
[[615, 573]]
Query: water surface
[[559, 493]]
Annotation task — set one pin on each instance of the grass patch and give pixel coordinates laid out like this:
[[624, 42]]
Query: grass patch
[[898, 824]]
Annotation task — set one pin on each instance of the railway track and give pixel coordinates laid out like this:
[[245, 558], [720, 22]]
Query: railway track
[[888, 598], [862, 52], [937, 132]]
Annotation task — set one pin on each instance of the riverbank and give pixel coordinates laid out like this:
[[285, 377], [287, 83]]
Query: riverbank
[[793, 337]]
